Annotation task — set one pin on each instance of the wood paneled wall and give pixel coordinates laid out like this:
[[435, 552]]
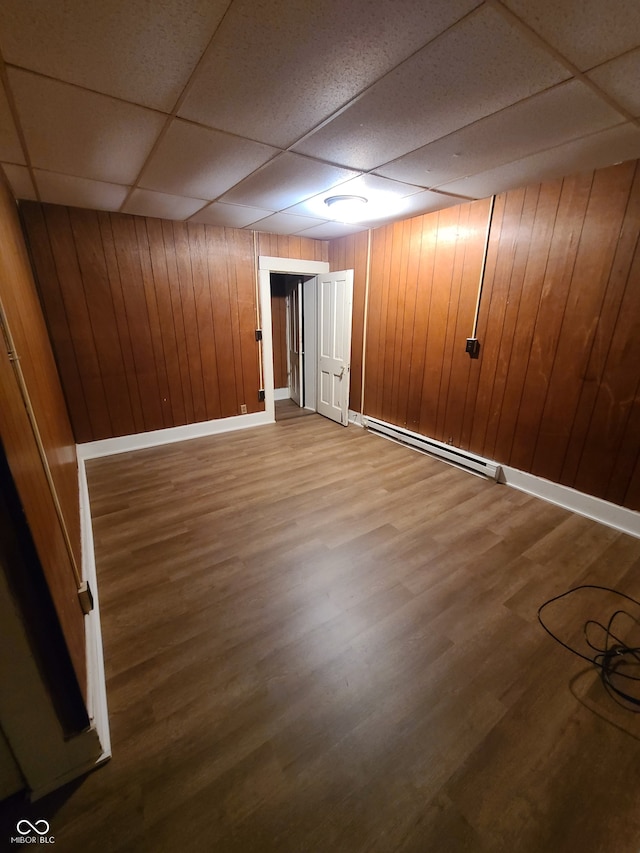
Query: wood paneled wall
[[152, 322], [279, 325], [558, 391], [298, 248], [19, 436], [555, 391]]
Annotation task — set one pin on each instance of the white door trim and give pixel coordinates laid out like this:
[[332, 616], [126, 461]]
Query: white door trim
[[267, 265]]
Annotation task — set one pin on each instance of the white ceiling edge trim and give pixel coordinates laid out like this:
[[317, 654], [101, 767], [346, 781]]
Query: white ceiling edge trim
[[291, 265]]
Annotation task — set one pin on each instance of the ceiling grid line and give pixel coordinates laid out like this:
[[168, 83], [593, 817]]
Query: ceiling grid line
[[18, 126], [250, 114], [180, 100], [509, 15]]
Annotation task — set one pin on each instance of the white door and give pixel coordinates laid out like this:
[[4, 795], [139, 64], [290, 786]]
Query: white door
[[294, 332], [335, 297]]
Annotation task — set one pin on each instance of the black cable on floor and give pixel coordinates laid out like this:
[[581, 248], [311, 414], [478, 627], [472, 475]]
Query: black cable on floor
[[612, 653]]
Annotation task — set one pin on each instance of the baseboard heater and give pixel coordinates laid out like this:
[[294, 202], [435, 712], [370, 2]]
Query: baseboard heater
[[453, 455]]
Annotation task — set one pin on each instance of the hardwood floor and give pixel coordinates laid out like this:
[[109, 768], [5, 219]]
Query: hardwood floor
[[286, 409], [318, 640]]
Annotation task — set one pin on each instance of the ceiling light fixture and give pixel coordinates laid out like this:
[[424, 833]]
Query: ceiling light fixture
[[346, 208]]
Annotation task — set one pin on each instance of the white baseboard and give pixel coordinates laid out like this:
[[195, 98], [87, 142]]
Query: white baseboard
[[281, 394], [612, 515], [96, 680], [618, 517], [157, 437]]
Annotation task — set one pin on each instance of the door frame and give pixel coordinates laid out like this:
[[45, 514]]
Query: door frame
[[267, 265]]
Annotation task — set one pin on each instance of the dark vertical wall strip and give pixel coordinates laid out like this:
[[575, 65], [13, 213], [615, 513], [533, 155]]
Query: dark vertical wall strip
[[152, 322], [279, 325], [556, 389]]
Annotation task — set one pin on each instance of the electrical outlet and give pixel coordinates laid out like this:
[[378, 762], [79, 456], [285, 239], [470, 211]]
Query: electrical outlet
[[243, 409], [473, 347]]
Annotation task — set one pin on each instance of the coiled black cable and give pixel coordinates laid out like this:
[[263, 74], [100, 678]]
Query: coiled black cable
[[612, 654]]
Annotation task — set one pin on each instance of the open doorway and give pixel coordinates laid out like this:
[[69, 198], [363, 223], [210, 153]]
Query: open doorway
[[319, 318], [294, 356]]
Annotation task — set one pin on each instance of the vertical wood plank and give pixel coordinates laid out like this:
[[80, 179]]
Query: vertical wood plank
[[436, 328], [473, 248], [197, 250], [169, 320], [151, 298], [240, 249], [135, 302], [221, 310], [85, 229], [279, 324], [606, 334], [495, 299], [392, 338], [618, 396], [188, 304], [56, 319], [585, 294], [130, 377], [402, 335], [425, 246], [510, 333], [537, 253], [73, 295], [567, 232], [177, 311], [373, 363]]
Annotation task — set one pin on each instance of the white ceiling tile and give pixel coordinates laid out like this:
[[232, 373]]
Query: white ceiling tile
[[229, 215], [587, 32], [276, 69], [140, 51], [594, 152], [426, 202], [20, 181], [331, 230], [476, 68], [201, 163], [285, 223], [370, 185], [285, 181], [455, 87], [620, 78], [10, 147], [546, 120], [161, 205], [69, 130], [79, 192], [375, 189]]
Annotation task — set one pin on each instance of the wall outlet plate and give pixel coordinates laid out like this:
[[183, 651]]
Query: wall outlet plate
[[473, 347]]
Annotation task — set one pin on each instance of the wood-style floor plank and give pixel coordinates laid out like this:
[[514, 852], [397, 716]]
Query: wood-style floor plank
[[318, 640]]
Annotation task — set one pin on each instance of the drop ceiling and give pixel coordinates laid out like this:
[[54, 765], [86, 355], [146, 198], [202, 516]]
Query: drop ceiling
[[250, 113]]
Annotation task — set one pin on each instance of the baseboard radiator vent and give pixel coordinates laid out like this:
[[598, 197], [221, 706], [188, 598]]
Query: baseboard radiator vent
[[453, 455]]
